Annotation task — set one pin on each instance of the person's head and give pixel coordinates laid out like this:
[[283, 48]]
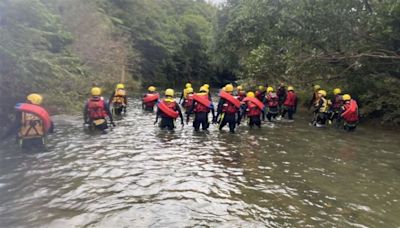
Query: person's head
[[95, 91], [270, 89], [207, 86], [229, 88], [189, 90], [169, 93], [321, 93], [337, 91], [261, 88], [282, 85], [317, 87], [250, 95], [239, 88], [35, 98], [188, 85], [120, 86], [204, 89], [346, 97], [151, 89], [290, 88]]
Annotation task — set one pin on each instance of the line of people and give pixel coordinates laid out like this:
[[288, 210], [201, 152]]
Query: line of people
[[234, 105], [340, 109]]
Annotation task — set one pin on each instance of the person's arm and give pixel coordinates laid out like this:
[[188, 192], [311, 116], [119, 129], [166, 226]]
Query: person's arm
[[180, 100], [239, 116], [126, 100], [107, 108], [111, 98], [85, 114], [219, 108], [190, 111], [320, 103], [158, 114], [180, 114]]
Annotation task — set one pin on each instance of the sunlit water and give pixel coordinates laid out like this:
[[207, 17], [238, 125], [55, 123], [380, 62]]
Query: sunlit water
[[286, 174]]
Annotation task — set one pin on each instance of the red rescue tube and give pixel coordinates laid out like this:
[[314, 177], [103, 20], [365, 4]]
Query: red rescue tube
[[36, 110], [230, 98], [151, 97], [167, 111], [255, 101], [202, 100], [351, 112]]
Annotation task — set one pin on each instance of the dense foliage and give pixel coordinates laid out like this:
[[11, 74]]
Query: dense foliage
[[354, 44], [59, 48]]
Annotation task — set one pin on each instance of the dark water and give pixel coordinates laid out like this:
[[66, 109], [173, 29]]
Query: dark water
[[284, 175]]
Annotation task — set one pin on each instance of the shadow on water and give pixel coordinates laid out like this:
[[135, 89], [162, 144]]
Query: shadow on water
[[285, 174]]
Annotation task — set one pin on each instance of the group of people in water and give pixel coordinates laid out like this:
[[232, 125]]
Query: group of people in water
[[234, 105]]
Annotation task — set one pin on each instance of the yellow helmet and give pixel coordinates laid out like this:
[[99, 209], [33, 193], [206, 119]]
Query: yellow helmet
[[151, 89], [239, 88], [96, 91], [207, 86], [189, 90], [346, 97], [322, 92], [317, 87], [261, 88], [188, 85], [204, 89], [35, 98], [169, 92], [290, 88], [120, 86], [270, 89], [251, 94], [337, 91], [229, 88]]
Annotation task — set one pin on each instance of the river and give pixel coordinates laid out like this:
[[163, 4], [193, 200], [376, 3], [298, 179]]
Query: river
[[283, 175]]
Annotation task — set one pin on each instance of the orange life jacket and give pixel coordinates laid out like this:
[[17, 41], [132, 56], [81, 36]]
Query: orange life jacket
[[31, 126]]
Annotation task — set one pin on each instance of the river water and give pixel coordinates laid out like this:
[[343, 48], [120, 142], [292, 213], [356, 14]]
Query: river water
[[283, 175]]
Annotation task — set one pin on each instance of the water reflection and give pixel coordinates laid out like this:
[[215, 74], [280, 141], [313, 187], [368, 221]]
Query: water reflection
[[286, 174]]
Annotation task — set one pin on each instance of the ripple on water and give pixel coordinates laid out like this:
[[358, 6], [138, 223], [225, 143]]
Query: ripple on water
[[279, 176]]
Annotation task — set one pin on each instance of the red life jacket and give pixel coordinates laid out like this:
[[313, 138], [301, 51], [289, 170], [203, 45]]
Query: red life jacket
[[273, 100], [337, 102], [169, 109], [96, 108], [202, 103], [290, 99], [351, 111], [253, 109], [229, 108], [187, 104]]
